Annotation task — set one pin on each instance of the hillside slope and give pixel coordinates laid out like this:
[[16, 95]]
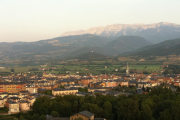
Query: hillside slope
[[91, 56], [169, 47], [48, 49], [125, 44]]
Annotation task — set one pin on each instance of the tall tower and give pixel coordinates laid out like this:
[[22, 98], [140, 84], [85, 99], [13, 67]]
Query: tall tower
[[127, 70]]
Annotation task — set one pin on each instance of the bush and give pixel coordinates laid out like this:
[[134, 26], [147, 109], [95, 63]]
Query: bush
[[55, 114]]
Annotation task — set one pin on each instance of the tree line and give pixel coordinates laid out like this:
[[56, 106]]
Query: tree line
[[159, 104]]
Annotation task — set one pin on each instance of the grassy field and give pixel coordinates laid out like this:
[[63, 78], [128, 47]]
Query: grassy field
[[145, 67], [84, 69]]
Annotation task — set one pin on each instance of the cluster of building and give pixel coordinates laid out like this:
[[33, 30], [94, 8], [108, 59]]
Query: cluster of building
[[16, 102], [20, 91]]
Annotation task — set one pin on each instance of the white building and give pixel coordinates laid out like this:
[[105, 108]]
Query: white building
[[13, 107], [58, 91]]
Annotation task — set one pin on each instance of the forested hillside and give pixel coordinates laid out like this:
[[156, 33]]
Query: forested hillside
[[125, 44], [169, 47]]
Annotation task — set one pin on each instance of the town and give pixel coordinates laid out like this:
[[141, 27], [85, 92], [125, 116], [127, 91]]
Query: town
[[18, 93]]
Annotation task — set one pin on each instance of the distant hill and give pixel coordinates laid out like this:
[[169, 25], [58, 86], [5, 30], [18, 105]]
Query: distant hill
[[155, 32], [125, 44], [48, 49], [169, 47], [91, 56], [69, 47], [84, 50], [82, 40]]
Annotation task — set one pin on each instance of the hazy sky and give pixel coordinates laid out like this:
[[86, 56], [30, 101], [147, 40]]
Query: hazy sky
[[32, 20]]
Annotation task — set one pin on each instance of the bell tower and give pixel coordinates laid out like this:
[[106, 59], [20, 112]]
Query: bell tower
[[127, 70]]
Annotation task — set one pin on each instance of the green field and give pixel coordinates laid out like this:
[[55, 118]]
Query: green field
[[149, 68], [82, 69]]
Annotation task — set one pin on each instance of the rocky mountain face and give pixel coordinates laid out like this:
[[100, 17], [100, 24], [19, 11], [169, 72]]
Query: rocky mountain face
[[155, 33]]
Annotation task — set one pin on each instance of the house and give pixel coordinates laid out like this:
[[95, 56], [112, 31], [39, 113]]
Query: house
[[32, 100], [31, 88], [13, 107], [13, 95], [59, 91], [145, 84], [12, 87], [1, 103], [171, 87], [100, 92], [49, 117], [24, 105], [99, 89], [3, 94], [75, 86], [85, 81], [132, 83], [82, 94], [85, 115], [65, 82], [139, 91], [15, 99], [23, 94], [122, 82]]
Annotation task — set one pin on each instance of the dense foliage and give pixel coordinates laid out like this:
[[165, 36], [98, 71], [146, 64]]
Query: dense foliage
[[161, 103], [172, 69]]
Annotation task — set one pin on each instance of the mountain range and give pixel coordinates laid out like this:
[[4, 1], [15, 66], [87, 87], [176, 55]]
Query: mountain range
[[70, 47], [103, 42], [154, 33]]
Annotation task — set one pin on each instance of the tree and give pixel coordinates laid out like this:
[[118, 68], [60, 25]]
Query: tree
[[107, 106], [35, 117], [176, 110], [48, 92], [12, 70], [43, 117], [75, 106], [55, 114], [22, 118], [41, 105], [128, 109], [165, 115], [83, 89], [143, 88], [147, 89], [146, 109], [108, 110]]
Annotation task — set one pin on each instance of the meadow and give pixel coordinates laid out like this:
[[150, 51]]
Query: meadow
[[82, 69]]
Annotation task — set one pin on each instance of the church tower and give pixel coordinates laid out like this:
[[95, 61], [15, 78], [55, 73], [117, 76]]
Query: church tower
[[127, 70]]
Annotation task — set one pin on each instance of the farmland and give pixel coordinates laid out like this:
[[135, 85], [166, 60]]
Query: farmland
[[81, 69]]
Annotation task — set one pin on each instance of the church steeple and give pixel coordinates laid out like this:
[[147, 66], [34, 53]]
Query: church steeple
[[127, 70]]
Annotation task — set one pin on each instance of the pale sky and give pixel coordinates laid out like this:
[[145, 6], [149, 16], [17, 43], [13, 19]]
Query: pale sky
[[33, 20]]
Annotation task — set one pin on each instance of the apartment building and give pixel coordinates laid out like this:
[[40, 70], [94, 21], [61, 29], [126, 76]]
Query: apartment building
[[12, 87]]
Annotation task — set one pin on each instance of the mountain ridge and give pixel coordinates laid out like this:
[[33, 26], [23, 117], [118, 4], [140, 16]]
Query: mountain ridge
[[169, 47], [124, 44], [155, 32]]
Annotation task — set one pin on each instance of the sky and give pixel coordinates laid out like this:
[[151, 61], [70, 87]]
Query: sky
[[33, 20]]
